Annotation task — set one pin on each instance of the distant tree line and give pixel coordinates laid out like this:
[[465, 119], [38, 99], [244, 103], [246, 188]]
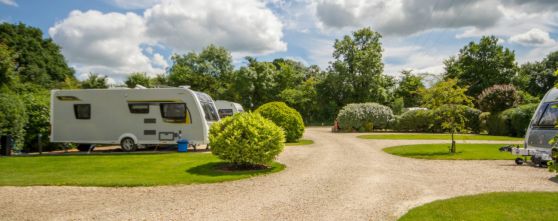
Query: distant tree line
[[31, 65]]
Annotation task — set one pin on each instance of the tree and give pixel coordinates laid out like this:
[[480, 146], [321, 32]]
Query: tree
[[94, 81], [408, 88], [538, 77], [138, 78], [445, 93], [7, 66], [452, 118], [254, 84], [303, 98], [209, 71], [38, 60], [481, 65]]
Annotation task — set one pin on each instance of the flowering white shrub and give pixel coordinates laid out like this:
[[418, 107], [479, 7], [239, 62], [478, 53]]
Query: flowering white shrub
[[364, 117]]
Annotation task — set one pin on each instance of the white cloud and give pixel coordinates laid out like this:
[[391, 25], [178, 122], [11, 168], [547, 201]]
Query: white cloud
[[9, 2], [533, 37], [135, 4], [104, 43], [117, 44], [238, 25]]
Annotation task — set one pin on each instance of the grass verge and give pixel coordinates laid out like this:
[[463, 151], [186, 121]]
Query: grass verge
[[300, 142], [441, 152], [120, 170], [427, 136], [491, 206]]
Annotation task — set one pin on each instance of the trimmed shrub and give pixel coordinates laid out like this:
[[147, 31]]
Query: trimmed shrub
[[246, 139], [364, 117], [37, 107], [13, 118], [498, 98], [511, 122], [285, 117], [415, 121]]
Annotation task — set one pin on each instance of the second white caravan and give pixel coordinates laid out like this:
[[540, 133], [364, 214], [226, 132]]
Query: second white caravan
[[228, 108], [131, 117]]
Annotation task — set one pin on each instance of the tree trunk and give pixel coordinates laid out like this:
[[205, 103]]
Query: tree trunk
[[452, 149]]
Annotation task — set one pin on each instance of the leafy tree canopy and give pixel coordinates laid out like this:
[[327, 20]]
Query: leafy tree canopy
[[94, 81], [408, 88], [445, 93]]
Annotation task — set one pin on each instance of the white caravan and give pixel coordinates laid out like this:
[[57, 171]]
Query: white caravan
[[228, 108], [130, 117], [541, 130]]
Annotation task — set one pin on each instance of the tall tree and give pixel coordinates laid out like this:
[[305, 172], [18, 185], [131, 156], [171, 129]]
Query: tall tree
[[445, 93], [481, 65], [7, 66], [138, 78], [538, 77], [408, 88], [94, 81], [206, 71], [38, 60]]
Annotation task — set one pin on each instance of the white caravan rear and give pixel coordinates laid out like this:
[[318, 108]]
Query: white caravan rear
[[131, 117], [540, 131], [228, 108]]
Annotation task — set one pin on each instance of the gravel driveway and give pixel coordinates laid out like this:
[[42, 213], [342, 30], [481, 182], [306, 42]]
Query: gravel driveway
[[340, 177]]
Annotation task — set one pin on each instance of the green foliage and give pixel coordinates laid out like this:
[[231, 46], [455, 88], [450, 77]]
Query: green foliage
[[511, 122], [537, 78], [94, 81], [303, 98], [208, 71], [285, 117], [138, 78], [498, 98], [526, 98], [7, 66], [445, 93], [481, 65], [13, 117], [364, 117], [416, 121], [37, 106], [397, 105], [246, 139], [38, 60], [408, 89]]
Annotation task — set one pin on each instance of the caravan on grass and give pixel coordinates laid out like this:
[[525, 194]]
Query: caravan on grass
[[540, 131], [131, 117], [228, 108]]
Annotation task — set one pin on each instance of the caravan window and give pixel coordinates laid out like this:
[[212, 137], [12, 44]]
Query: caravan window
[[210, 113], [549, 116], [225, 113], [176, 111], [139, 108], [82, 111]]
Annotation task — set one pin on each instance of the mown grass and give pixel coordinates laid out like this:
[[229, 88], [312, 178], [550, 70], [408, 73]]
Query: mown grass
[[120, 170], [441, 152], [492, 206], [427, 136], [300, 142]]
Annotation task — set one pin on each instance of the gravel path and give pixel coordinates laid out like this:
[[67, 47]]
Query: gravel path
[[340, 177]]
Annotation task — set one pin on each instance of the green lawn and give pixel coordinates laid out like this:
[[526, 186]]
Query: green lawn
[[427, 136], [119, 170], [518, 206], [300, 142], [441, 152]]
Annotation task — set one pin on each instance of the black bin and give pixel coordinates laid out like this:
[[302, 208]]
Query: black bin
[[6, 145]]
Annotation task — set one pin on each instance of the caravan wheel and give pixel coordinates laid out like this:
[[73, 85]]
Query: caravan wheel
[[128, 145]]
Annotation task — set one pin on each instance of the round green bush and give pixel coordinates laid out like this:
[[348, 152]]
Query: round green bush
[[364, 117], [285, 117], [246, 139], [13, 117], [511, 122], [498, 98]]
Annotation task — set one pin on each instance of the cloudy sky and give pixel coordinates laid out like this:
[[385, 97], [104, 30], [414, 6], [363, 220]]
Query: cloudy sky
[[116, 37]]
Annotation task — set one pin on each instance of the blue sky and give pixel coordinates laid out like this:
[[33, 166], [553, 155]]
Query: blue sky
[[117, 37]]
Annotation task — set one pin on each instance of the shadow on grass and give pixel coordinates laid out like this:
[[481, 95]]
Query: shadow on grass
[[216, 169]]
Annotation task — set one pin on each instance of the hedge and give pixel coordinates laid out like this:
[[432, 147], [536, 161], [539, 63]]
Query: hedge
[[246, 139], [364, 117], [425, 120], [13, 117], [285, 117], [511, 122]]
